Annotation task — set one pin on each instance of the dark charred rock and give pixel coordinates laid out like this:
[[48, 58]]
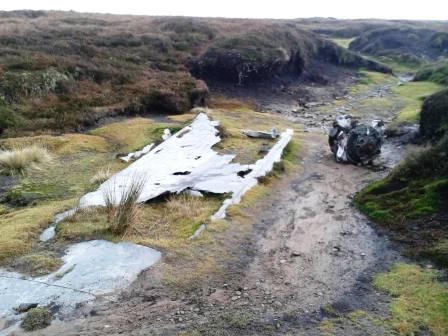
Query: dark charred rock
[[24, 307]]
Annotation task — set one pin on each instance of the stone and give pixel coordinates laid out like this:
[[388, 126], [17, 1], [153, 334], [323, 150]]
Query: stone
[[24, 307]]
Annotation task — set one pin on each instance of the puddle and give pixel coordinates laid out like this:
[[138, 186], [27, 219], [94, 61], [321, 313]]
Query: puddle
[[90, 268], [50, 232]]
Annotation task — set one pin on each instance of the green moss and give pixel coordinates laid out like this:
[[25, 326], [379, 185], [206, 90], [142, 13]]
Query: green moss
[[438, 253], [420, 302], [84, 225], [368, 79], [37, 318], [387, 203]]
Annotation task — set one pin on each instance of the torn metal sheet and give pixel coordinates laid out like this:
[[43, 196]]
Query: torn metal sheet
[[186, 160], [136, 155], [273, 134], [259, 169], [166, 134]]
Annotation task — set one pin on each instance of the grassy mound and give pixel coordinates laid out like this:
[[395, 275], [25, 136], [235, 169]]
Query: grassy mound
[[437, 73], [434, 116], [412, 201], [416, 187], [413, 43]]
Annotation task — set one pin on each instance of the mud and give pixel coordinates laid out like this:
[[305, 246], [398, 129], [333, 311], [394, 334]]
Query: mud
[[306, 255]]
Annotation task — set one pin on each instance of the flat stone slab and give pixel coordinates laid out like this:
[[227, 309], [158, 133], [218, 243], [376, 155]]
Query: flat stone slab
[[90, 268]]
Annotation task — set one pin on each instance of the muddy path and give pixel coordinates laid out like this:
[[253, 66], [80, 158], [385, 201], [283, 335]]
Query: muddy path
[[305, 254], [309, 248]]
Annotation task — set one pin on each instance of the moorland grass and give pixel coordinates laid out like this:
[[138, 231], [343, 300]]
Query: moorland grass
[[419, 300], [411, 95], [20, 160]]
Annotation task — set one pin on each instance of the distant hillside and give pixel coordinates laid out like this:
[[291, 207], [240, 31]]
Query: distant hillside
[[437, 72], [63, 70], [402, 42]]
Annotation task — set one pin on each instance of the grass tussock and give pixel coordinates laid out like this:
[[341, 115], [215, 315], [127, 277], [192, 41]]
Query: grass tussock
[[121, 207], [184, 205], [38, 263], [420, 302], [102, 175], [20, 160]]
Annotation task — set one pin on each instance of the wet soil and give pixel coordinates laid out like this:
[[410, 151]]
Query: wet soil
[[306, 255]]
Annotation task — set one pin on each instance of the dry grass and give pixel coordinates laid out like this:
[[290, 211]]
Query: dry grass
[[184, 205], [101, 175], [19, 160], [38, 263], [122, 213], [63, 145], [19, 228]]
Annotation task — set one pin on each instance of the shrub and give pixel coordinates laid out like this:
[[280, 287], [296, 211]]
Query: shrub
[[19, 160], [122, 213], [37, 318], [7, 118]]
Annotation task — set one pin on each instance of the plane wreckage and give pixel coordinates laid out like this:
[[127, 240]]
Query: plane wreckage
[[356, 143]]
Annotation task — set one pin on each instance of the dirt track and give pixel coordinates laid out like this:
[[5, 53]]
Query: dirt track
[[308, 254], [309, 248]]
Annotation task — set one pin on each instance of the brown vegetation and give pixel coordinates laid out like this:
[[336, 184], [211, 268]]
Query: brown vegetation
[[122, 213], [19, 160], [62, 71]]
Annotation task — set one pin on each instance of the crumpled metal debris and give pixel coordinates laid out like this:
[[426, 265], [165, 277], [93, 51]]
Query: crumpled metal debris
[[273, 134], [355, 143]]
